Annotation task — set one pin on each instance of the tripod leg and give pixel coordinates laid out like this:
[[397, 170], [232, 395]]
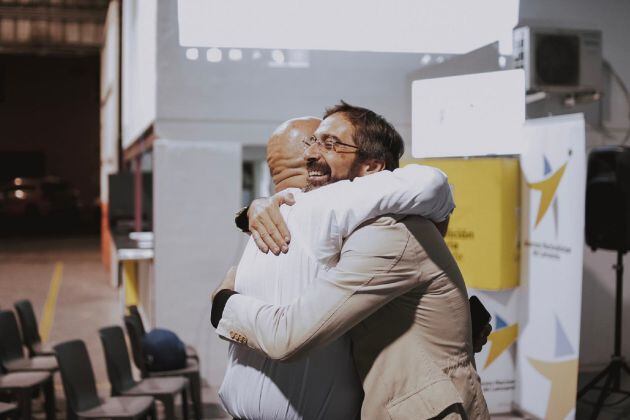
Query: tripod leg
[[602, 398], [593, 382], [625, 367]]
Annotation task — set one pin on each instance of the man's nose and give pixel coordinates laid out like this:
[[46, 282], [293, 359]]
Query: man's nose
[[311, 152]]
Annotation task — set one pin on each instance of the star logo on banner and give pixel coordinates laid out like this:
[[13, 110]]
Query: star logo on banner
[[500, 339], [563, 376], [548, 188]]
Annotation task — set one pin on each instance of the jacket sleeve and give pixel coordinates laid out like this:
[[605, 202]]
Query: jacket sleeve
[[377, 264], [329, 214]]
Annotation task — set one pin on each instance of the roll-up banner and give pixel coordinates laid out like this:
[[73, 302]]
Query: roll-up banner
[[530, 361], [550, 295]]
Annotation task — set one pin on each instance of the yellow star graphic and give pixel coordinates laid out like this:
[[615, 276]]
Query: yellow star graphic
[[548, 189], [500, 340], [563, 377]]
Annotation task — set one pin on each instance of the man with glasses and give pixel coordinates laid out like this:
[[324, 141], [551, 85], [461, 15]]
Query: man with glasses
[[395, 286]]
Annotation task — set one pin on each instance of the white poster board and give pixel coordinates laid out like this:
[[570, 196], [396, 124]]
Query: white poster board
[[471, 115], [553, 193]]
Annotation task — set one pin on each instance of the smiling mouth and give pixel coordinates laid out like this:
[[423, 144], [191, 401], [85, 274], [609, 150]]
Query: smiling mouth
[[317, 177]]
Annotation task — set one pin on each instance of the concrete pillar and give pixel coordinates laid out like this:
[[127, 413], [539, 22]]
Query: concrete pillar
[[197, 190]]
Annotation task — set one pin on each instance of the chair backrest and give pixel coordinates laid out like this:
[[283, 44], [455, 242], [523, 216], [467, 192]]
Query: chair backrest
[[116, 359], [77, 375], [28, 322], [135, 339], [10, 341], [135, 312]]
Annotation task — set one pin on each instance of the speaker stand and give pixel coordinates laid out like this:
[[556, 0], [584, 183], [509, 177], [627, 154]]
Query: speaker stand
[[617, 366]]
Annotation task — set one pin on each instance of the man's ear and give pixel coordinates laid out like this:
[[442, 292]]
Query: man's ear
[[371, 166]]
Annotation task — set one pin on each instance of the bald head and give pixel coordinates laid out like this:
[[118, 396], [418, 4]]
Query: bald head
[[285, 152]]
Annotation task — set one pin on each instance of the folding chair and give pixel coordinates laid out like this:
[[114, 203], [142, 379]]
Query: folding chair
[[191, 371], [30, 330], [79, 386], [12, 356], [24, 386], [191, 352], [123, 383]]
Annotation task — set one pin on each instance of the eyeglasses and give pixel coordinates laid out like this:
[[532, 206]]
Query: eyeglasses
[[330, 143]]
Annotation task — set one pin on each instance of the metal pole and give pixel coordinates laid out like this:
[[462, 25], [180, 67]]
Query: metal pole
[[618, 303], [617, 359]]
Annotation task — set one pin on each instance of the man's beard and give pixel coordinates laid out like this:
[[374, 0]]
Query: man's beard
[[326, 174]]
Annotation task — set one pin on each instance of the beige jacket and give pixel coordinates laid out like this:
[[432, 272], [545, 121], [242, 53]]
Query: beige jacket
[[399, 292]]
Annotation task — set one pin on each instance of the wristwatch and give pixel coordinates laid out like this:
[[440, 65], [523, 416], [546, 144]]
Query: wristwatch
[[241, 220]]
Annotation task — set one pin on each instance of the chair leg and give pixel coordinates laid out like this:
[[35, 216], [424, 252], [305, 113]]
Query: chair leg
[[147, 415], [195, 391], [70, 415], [169, 407], [24, 402], [153, 412], [49, 399], [185, 403]]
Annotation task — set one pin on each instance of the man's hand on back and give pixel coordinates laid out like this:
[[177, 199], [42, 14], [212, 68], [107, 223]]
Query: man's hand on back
[[266, 224], [482, 339]]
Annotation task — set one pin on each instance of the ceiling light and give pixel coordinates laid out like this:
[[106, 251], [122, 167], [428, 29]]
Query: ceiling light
[[235, 54], [214, 55], [192, 53], [277, 56]]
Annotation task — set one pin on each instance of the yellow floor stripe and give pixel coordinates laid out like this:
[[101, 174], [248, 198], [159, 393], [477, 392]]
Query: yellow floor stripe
[[51, 302]]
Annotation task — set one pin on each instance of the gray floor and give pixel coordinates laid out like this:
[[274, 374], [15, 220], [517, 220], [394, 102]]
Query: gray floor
[[87, 302]]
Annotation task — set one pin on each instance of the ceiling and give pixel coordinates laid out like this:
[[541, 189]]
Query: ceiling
[[52, 27]]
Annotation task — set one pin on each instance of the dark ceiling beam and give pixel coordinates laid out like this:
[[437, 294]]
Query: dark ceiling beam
[[52, 13]]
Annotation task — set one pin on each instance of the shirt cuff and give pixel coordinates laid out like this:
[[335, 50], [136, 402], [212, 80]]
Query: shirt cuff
[[218, 305], [241, 220]]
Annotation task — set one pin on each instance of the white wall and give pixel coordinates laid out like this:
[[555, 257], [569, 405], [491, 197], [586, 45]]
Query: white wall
[[244, 101], [196, 192], [109, 98], [139, 67], [612, 17]]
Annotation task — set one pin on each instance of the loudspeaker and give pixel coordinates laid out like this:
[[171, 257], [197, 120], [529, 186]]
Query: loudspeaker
[[608, 198]]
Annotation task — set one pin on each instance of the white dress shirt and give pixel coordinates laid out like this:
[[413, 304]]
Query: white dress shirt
[[324, 385]]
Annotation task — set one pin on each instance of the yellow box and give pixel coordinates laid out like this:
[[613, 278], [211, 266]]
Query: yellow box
[[483, 233]]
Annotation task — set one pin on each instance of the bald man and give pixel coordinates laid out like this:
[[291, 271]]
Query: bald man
[[324, 384], [285, 152]]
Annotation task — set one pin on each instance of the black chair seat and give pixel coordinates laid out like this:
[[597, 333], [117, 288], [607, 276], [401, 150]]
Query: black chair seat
[[117, 407], [23, 386], [47, 363], [158, 386], [7, 408], [19, 380]]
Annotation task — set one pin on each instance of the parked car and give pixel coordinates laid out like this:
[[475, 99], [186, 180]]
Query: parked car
[[39, 197]]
